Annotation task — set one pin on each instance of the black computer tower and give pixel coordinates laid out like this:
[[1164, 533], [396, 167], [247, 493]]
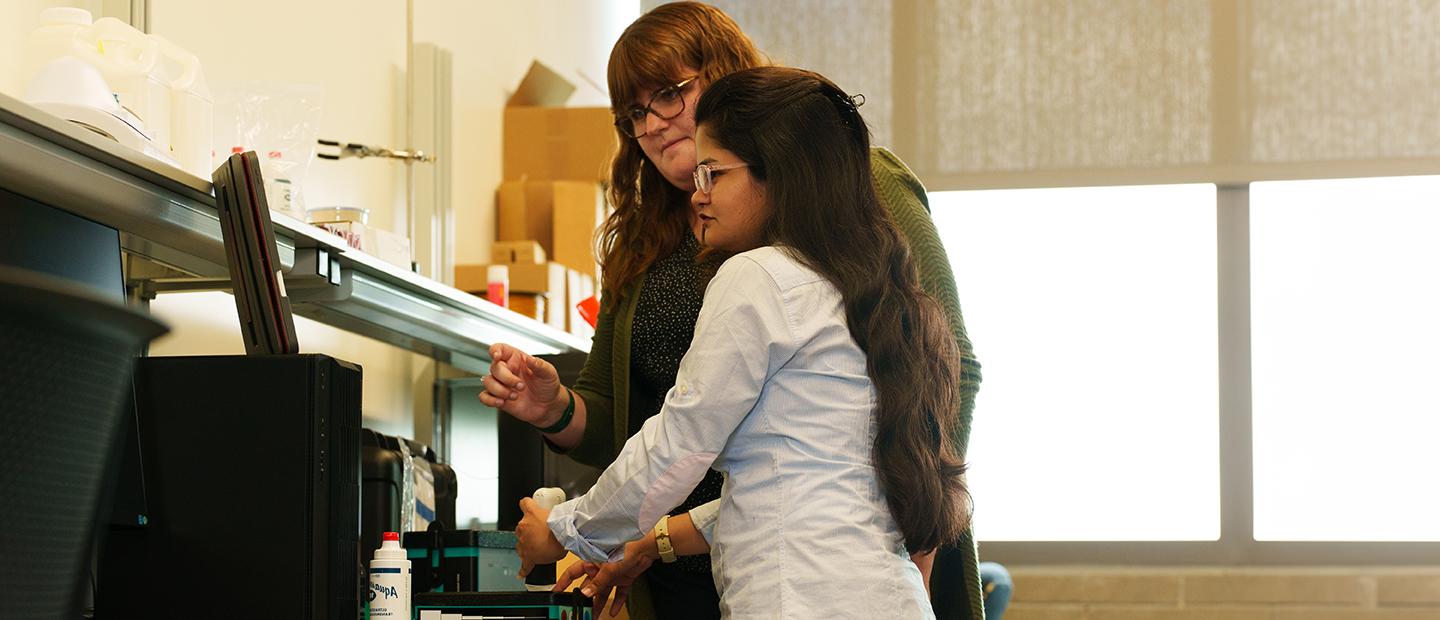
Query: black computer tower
[[252, 485]]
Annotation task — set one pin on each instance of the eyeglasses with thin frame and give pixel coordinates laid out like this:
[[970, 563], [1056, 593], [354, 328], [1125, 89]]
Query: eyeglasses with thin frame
[[705, 175], [665, 103]]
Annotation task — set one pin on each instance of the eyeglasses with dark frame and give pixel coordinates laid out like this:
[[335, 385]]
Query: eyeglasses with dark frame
[[665, 103], [705, 175]]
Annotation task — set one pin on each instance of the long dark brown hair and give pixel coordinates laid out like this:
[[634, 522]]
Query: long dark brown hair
[[651, 215], [805, 141]]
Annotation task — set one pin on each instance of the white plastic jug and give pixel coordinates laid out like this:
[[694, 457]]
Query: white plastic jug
[[156, 80], [123, 55], [128, 58], [58, 35], [192, 113]]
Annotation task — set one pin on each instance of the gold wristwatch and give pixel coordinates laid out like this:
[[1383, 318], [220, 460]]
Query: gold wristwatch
[[662, 540]]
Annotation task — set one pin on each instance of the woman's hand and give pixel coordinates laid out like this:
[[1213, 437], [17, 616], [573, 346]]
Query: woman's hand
[[534, 541], [523, 386], [617, 576]]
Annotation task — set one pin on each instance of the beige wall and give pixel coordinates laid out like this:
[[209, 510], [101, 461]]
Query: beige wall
[[17, 19]]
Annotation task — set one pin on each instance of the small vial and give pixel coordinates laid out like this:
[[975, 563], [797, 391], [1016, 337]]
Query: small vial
[[497, 289]]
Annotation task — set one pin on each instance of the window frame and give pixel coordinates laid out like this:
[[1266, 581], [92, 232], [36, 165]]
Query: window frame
[[1237, 545]]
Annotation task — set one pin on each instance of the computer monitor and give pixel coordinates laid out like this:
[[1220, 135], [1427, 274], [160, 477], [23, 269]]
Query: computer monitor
[[47, 240]]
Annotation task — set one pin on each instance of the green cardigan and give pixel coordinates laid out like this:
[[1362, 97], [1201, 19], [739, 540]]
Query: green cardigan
[[604, 382]]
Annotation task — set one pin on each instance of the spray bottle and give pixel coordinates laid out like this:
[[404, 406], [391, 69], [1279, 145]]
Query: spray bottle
[[389, 596], [542, 576]]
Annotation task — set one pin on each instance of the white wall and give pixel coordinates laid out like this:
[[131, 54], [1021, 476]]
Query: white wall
[[355, 51]]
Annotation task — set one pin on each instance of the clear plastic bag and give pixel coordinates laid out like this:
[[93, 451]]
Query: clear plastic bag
[[278, 121], [407, 488]]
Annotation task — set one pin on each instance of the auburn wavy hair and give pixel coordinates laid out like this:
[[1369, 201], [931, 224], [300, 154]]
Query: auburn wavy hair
[[805, 141], [650, 215]]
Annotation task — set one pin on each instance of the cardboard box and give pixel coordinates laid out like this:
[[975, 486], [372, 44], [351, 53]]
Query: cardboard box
[[507, 252], [544, 141], [548, 279], [558, 143], [377, 242], [561, 215], [529, 304], [574, 222]]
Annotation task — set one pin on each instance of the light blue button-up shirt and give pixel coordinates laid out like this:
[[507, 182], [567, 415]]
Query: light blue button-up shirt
[[774, 393]]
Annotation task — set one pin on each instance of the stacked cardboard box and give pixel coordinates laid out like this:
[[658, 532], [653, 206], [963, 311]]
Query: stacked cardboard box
[[559, 215], [538, 288], [554, 160], [544, 141]]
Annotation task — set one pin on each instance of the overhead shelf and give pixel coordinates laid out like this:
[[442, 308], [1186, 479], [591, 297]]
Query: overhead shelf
[[168, 216]]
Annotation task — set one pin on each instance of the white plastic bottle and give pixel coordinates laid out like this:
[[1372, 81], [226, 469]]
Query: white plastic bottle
[[59, 34], [389, 596], [191, 108], [157, 81], [542, 576]]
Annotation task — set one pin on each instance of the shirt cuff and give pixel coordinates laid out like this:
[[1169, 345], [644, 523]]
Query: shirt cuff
[[703, 518], [562, 525]]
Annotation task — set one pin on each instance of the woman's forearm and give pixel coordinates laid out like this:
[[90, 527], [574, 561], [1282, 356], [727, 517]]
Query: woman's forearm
[[684, 537], [569, 437]]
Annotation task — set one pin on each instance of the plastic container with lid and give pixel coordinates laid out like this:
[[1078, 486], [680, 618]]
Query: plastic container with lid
[[59, 34], [327, 215]]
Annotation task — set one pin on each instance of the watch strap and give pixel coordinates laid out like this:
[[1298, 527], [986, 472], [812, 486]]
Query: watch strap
[[662, 540]]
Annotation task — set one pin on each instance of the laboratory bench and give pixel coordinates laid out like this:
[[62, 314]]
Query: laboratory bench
[[170, 234]]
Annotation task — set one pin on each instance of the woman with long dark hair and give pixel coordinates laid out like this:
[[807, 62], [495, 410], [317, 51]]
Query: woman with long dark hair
[[654, 282], [822, 380]]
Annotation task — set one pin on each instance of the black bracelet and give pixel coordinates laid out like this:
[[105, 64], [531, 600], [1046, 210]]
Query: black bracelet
[[565, 417]]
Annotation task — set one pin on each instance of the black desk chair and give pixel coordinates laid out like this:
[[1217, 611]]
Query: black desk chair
[[66, 358]]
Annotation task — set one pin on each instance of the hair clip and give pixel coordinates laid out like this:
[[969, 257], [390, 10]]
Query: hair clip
[[847, 102]]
